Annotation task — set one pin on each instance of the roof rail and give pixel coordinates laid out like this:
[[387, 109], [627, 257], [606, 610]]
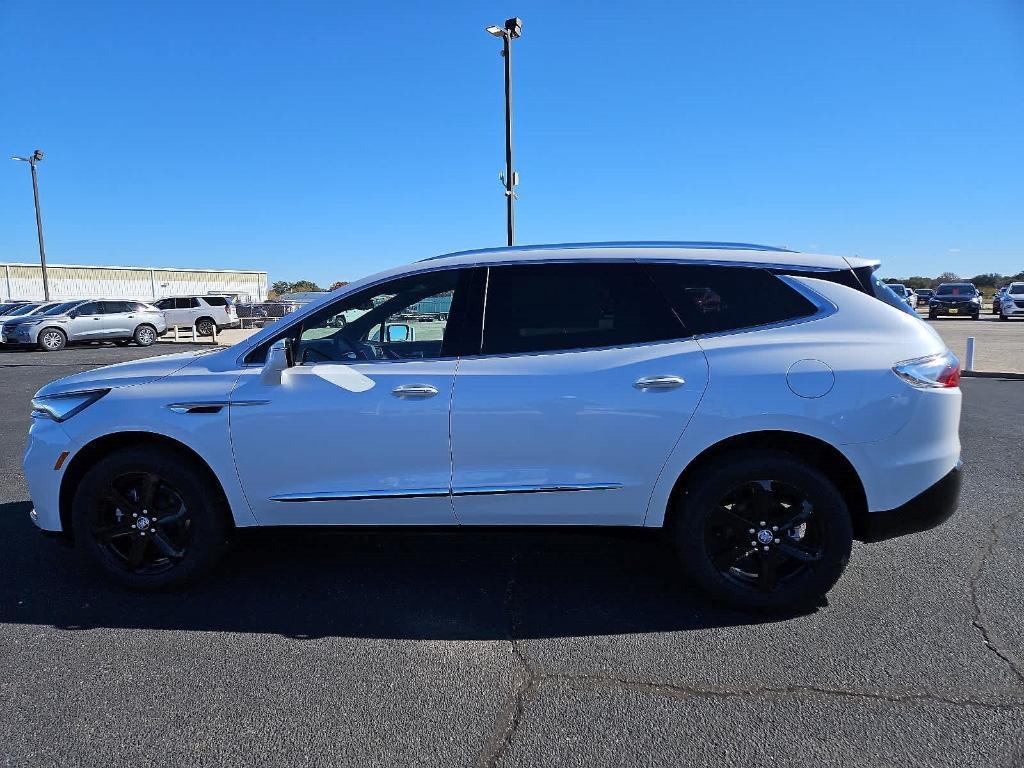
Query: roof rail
[[694, 244]]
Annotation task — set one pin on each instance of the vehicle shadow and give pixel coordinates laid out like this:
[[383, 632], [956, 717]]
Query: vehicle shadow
[[464, 585]]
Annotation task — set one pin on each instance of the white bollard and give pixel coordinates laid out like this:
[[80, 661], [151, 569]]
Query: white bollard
[[969, 364], [175, 333], [214, 333]]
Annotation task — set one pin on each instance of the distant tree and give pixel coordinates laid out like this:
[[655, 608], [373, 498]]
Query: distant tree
[[947, 277], [917, 281], [988, 280], [302, 286], [281, 286], [338, 284]]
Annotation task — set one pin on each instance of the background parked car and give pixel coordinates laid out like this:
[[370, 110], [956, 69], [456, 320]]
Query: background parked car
[[6, 309], [955, 300], [78, 321], [1011, 304], [901, 290], [997, 298], [24, 311], [203, 312], [923, 295]]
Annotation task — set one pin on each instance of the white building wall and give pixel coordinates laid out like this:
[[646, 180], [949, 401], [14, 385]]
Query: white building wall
[[69, 281]]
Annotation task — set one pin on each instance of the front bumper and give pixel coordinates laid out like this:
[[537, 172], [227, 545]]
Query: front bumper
[[1011, 309], [960, 310], [931, 507]]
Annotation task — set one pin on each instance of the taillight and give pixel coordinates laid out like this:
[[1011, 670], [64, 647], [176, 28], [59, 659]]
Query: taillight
[[937, 371]]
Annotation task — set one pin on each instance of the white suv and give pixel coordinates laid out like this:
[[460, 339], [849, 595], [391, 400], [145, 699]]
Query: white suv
[[201, 312], [1011, 303], [599, 385]]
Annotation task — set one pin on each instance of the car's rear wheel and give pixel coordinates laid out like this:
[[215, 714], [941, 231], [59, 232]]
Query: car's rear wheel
[[932, 316], [149, 518], [52, 339], [145, 335], [205, 326], [763, 531]]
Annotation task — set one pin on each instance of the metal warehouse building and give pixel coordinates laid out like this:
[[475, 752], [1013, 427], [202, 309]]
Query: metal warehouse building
[[76, 281]]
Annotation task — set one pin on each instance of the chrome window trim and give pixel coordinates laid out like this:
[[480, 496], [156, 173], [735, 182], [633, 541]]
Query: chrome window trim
[[767, 265]]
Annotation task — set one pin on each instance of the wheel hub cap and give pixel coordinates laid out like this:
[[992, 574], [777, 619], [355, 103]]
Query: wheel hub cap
[[765, 536], [142, 523]]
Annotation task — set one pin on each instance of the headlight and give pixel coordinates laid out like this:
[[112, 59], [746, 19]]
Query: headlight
[[62, 407]]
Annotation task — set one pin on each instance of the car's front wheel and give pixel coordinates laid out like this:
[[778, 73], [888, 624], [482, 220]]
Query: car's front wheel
[[763, 531], [149, 518], [52, 339]]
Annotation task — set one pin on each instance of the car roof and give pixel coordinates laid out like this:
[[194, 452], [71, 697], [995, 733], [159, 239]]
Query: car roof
[[703, 251]]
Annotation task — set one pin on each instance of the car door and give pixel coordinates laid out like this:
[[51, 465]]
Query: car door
[[356, 432], [585, 382], [87, 322], [117, 320]]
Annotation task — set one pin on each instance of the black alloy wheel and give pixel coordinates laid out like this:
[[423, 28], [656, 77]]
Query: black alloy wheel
[[764, 531], [149, 518], [142, 524], [205, 326]]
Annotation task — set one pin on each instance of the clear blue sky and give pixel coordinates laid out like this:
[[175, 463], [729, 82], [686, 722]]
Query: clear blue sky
[[326, 140]]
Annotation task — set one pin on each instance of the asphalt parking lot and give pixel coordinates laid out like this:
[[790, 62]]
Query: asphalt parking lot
[[515, 648]]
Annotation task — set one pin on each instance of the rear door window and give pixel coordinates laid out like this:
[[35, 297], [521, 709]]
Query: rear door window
[[717, 299], [550, 307], [216, 301]]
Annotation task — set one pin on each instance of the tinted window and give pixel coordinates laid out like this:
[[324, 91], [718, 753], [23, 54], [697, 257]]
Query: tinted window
[[216, 301], [839, 276], [957, 289], [712, 299], [116, 307], [165, 304], [92, 308], [546, 307]]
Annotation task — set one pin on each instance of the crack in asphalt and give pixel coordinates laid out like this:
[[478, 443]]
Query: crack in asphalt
[[533, 675], [979, 568], [677, 690]]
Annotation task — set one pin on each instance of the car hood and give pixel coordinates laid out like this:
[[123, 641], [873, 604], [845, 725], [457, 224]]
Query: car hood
[[19, 319], [126, 374]]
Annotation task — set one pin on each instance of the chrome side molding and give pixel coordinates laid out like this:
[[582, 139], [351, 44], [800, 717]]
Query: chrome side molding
[[439, 492]]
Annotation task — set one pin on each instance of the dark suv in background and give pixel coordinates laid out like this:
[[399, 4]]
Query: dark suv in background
[[955, 300]]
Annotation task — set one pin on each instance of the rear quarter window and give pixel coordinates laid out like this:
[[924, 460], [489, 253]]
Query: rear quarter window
[[216, 301], [718, 299]]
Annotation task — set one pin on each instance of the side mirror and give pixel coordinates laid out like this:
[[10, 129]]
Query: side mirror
[[279, 358], [400, 332], [72, 315]]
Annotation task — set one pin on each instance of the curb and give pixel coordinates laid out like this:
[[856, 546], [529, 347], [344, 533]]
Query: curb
[[992, 375]]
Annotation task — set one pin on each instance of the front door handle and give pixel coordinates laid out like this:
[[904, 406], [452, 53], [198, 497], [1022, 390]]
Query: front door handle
[[413, 391], [659, 382]]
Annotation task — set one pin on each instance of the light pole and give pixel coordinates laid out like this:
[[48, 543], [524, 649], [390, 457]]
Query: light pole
[[34, 158], [513, 28]]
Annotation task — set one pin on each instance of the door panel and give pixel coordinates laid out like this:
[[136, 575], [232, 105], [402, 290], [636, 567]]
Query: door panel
[[568, 438], [334, 445], [88, 322]]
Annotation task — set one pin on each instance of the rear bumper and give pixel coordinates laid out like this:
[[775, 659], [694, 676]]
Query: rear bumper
[[930, 508]]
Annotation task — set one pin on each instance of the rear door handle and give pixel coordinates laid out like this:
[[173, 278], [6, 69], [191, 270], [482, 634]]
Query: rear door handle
[[413, 391], [659, 382]]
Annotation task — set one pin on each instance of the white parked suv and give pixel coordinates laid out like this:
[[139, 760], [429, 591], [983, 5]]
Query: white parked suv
[[1011, 303], [202, 312], [760, 405]]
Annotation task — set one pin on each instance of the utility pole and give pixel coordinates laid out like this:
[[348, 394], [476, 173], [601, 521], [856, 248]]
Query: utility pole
[[32, 159], [513, 29]]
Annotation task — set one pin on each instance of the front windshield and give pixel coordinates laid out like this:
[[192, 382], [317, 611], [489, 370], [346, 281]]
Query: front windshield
[[957, 289], [899, 290], [60, 309], [22, 310], [1017, 289]]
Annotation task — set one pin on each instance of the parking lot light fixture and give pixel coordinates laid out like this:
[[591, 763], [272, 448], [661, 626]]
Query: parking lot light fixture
[[513, 29], [32, 159]]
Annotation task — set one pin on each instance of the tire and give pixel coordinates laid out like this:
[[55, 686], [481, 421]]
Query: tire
[[184, 536], [718, 509], [145, 335], [932, 316], [976, 317], [205, 326], [1003, 317], [51, 339]]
